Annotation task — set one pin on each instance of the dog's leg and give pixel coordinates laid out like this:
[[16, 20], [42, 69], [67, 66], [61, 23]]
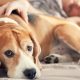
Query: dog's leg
[[70, 34]]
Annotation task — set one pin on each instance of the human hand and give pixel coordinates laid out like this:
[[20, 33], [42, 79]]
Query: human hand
[[20, 6]]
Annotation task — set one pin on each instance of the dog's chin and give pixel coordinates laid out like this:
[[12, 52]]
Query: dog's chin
[[3, 70]]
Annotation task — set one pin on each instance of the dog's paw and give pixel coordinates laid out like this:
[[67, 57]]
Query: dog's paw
[[51, 59]]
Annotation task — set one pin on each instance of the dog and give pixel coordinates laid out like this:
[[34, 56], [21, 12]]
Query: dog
[[19, 49], [47, 38]]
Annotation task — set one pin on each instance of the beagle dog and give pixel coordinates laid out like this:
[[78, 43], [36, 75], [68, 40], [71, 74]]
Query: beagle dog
[[19, 49], [47, 38]]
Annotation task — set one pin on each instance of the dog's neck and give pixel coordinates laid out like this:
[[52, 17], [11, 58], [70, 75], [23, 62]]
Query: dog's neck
[[8, 20]]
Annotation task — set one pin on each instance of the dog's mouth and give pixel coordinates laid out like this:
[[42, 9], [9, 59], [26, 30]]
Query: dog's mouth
[[3, 70]]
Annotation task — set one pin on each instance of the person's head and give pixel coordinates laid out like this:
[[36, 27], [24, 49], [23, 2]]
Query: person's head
[[71, 7]]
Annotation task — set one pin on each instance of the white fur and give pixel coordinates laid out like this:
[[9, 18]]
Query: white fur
[[25, 62], [8, 20]]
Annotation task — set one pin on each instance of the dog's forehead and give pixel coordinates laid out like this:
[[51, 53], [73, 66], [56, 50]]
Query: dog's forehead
[[13, 35], [6, 38]]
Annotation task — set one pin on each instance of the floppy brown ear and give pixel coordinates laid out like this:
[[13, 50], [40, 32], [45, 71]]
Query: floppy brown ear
[[37, 49]]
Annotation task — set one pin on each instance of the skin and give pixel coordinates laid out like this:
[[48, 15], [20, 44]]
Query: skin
[[22, 7], [7, 6], [75, 10]]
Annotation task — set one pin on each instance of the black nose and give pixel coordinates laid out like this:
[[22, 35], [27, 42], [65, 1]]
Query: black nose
[[30, 73]]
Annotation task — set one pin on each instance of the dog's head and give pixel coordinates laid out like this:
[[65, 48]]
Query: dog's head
[[19, 51]]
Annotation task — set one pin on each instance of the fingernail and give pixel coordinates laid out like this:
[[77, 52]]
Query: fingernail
[[26, 20]]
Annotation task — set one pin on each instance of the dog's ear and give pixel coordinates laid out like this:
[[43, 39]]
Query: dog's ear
[[37, 49]]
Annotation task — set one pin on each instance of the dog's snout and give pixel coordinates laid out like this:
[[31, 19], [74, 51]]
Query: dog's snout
[[30, 73]]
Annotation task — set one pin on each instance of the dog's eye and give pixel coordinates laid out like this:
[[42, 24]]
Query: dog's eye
[[29, 48], [9, 53]]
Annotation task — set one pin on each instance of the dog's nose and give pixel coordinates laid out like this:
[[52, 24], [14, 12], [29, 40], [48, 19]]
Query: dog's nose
[[30, 73]]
